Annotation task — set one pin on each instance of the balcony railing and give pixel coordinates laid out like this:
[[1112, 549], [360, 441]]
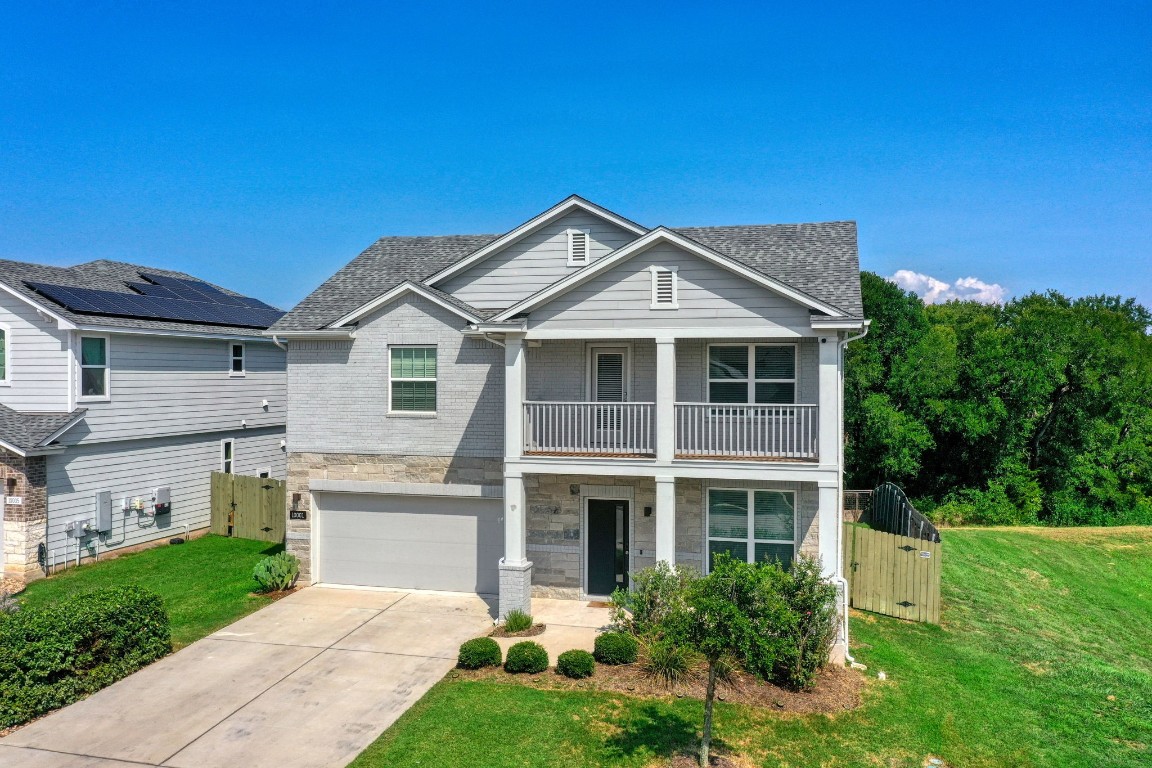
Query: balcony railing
[[707, 430], [589, 429]]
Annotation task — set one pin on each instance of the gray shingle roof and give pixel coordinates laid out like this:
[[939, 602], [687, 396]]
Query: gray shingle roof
[[106, 276], [27, 431], [818, 259]]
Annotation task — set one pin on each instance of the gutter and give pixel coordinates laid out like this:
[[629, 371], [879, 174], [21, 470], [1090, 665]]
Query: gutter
[[843, 582], [320, 333]]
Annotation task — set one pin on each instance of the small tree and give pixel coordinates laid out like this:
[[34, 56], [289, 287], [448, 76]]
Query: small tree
[[731, 615]]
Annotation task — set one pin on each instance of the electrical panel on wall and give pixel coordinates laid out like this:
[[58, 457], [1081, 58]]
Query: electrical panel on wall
[[103, 511]]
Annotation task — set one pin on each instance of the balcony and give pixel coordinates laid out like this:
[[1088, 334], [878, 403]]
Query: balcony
[[704, 431]]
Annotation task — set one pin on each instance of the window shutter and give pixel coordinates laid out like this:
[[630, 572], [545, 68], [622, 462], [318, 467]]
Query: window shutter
[[663, 288], [577, 247]]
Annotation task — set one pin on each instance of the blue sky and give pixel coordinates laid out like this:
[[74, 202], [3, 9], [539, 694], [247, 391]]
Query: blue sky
[[263, 146]]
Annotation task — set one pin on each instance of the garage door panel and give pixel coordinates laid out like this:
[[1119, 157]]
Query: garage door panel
[[410, 542]]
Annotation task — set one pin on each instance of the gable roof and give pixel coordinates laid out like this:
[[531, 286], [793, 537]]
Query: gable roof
[[105, 275], [820, 260], [25, 432], [663, 234], [446, 300]]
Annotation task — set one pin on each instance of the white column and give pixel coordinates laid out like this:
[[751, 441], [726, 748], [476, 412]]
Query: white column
[[829, 518], [515, 521], [515, 382], [829, 399], [666, 519], [665, 400]]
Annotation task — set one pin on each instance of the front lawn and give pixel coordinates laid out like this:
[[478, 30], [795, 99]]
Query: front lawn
[[205, 583], [1043, 660]]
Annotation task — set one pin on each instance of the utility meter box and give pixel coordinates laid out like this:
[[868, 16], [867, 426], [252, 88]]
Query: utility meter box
[[103, 511], [162, 499], [78, 529]]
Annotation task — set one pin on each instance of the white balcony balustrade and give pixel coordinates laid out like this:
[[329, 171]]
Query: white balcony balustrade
[[713, 430], [589, 429]]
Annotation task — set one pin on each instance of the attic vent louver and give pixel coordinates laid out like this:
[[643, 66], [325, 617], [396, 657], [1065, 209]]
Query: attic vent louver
[[577, 247], [664, 288]]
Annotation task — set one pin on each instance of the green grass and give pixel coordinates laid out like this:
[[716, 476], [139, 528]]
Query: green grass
[[1043, 660], [205, 583]]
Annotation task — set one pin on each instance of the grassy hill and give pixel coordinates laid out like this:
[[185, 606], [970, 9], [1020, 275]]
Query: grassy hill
[[1044, 659]]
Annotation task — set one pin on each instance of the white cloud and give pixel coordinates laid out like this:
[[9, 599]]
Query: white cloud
[[935, 291]]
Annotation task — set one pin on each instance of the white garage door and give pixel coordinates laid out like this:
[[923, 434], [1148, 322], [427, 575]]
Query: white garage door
[[448, 543]]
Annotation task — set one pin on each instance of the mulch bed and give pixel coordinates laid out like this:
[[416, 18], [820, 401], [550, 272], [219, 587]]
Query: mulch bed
[[532, 631], [276, 595], [837, 689], [11, 586]]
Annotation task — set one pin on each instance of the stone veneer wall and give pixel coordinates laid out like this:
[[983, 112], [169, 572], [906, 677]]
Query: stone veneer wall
[[24, 524], [555, 514], [303, 467]]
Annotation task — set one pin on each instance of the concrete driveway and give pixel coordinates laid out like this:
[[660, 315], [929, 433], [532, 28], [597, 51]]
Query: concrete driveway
[[309, 681]]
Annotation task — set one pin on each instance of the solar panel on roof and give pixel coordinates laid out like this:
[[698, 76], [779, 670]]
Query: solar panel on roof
[[115, 304], [194, 290]]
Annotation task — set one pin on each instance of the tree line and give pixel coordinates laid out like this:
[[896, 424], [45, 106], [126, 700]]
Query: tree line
[[1037, 411]]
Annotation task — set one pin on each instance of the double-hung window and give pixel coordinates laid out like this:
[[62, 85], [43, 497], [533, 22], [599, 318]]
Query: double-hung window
[[93, 366], [5, 343], [752, 373], [236, 366], [412, 379], [755, 526], [227, 455]]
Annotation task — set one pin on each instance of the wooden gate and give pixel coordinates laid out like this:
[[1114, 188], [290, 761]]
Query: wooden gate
[[248, 507], [891, 574]]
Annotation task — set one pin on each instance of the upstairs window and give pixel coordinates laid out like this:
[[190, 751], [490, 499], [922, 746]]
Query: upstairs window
[[663, 288], [3, 354], [752, 373], [93, 366], [578, 247], [753, 526], [412, 379], [237, 360]]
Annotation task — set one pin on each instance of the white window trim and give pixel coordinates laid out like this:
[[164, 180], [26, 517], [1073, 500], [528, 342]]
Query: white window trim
[[751, 541], [243, 359], [413, 414], [569, 233], [80, 396], [224, 460], [655, 270], [590, 378], [752, 380], [6, 358]]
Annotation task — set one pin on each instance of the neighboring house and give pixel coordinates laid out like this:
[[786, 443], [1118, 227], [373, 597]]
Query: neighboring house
[[121, 388], [545, 411]]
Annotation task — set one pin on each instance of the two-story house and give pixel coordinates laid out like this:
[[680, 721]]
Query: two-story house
[[121, 389], [545, 411]]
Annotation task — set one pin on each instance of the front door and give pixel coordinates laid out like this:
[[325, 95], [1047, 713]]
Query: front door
[[607, 538]]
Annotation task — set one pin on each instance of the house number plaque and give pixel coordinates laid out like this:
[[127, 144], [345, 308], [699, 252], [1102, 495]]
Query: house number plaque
[[297, 514], [14, 501]]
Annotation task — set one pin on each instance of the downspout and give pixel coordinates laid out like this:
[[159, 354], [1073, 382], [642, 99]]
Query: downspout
[[840, 580], [277, 342], [488, 337]]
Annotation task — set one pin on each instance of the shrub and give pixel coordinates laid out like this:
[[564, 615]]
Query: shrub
[[526, 656], [807, 637], [517, 621], [575, 664], [479, 652], [657, 594], [53, 655], [667, 661], [615, 648], [277, 573]]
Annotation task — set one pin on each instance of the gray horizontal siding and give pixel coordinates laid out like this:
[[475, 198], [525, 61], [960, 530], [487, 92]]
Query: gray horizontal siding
[[133, 468], [533, 262], [338, 390], [162, 385], [708, 295], [38, 360]]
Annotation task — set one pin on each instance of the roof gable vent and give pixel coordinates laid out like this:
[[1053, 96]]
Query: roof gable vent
[[664, 288], [578, 247]]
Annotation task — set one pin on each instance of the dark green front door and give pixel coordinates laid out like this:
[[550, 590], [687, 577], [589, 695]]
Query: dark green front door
[[607, 546]]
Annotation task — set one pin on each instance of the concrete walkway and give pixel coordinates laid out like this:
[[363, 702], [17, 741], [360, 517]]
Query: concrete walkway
[[307, 682], [568, 624]]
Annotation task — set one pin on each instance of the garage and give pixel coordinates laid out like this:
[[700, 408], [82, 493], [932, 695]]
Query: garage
[[449, 543]]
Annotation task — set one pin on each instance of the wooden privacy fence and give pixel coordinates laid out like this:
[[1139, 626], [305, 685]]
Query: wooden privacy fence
[[894, 575], [248, 507]]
